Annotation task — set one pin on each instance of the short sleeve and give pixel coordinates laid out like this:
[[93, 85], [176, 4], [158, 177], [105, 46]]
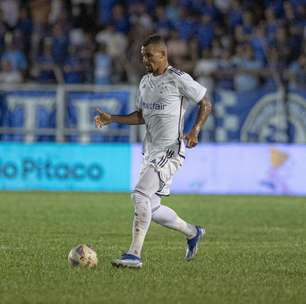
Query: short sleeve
[[138, 101], [190, 88]]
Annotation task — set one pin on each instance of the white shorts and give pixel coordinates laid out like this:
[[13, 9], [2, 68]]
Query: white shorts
[[165, 164]]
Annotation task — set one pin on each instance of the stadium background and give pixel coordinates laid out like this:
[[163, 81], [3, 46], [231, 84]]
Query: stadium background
[[60, 60]]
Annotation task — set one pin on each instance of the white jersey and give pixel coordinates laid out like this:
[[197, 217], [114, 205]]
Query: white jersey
[[163, 101]]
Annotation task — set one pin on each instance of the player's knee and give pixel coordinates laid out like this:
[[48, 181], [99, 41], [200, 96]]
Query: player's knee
[[141, 202], [142, 207], [139, 197], [143, 190]]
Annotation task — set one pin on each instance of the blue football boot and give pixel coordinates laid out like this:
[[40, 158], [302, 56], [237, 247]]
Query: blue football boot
[[128, 260], [192, 244]]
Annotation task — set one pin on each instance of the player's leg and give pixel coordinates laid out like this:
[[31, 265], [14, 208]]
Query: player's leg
[[167, 217], [147, 185]]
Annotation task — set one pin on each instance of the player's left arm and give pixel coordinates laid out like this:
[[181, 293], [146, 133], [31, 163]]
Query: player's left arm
[[205, 108]]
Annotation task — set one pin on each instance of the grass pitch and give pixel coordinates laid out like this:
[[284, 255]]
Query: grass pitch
[[254, 251]]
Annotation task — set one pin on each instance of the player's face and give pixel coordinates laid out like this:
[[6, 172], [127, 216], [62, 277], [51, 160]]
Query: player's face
[[153, 57]]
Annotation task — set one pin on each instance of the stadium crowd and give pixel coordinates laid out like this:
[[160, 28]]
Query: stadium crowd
[[231, 44]]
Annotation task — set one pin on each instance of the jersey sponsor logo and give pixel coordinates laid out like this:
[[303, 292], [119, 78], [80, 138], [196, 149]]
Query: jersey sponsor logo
[[153, 106]]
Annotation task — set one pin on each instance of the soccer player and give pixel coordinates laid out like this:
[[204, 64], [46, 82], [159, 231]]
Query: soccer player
[[163, 96]]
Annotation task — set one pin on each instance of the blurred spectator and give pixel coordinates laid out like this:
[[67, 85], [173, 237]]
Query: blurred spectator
[[239, 35], [207, 7], [59, 44], [271, 23], [177, 49], [297, 73], [182, 55], [223, 5], [205, 69], [14, 54], [275, 31], [103, 65], [162, 23], [73, 69], [276, 67], [85, 15], [3, 30], [105, 11], [76, 37], [185, 25], [10, 9], [24, 26], [133, 60], [57, 7], [140, 17], [116, 42], [8, 74], [120, 19], [301, 15], [259, 43], [247, 23], [45, 69], [234, 15], [40, 28], [205, 32], [116, 46], [289, 12], [295, 40], [86, 54], [246, 77], [40, 10], [280, 42], [173, 11], [224, 74]]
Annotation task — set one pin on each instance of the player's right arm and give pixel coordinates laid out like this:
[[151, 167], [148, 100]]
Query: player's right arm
[[103, 118], [134, 118]]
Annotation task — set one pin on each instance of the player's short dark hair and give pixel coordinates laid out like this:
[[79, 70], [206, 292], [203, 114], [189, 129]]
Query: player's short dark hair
[[154, 39]]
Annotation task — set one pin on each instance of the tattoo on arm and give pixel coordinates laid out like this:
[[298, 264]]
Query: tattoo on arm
[[203, 113]]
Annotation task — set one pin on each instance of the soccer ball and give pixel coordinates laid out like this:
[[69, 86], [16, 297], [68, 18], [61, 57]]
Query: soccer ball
[[83, 255]]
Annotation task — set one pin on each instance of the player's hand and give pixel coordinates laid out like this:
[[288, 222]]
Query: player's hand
[[191, 139], [102, 119]]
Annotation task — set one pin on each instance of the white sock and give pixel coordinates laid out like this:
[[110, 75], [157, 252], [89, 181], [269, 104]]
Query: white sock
[[167, 217], [141, 222]]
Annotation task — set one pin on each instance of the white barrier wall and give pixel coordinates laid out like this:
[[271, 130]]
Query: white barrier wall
[[238, 169]]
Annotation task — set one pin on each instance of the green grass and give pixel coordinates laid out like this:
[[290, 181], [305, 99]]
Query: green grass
[[254, 252]]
